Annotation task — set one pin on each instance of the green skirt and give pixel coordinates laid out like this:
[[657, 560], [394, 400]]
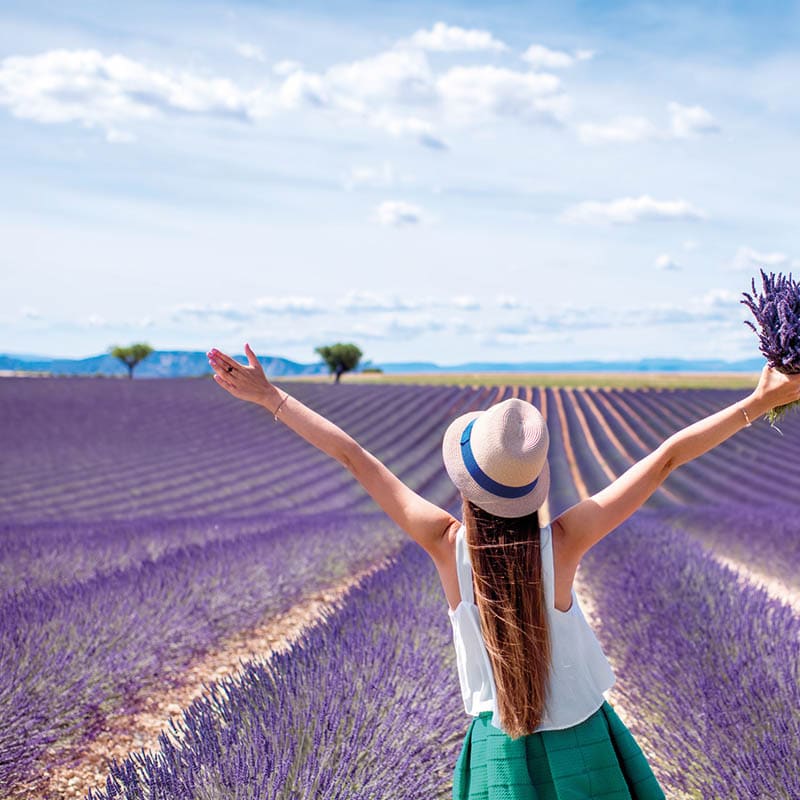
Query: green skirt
[[598, 758]]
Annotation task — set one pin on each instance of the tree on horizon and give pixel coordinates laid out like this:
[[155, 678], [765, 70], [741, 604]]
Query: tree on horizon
[[339, 357], [132, 355]]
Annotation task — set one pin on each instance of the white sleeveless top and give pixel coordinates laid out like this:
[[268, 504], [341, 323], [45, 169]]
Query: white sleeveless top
[[580, 671]]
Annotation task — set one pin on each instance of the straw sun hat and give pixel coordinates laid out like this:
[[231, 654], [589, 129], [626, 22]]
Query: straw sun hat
[[497, 458]]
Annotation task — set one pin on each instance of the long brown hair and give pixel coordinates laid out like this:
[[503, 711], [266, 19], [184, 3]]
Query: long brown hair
[[507, 564]]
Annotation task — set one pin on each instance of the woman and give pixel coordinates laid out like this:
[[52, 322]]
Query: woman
[[532, 673]]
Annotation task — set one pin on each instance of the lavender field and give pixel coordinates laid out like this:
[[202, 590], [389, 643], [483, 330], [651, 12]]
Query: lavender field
[[142, 522]]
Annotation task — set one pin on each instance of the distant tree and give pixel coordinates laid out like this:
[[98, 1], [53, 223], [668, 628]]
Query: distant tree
[[339, 357], [131, 356], [369, 366]]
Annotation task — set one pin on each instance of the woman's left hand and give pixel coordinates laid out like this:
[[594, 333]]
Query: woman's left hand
[[247, 382]]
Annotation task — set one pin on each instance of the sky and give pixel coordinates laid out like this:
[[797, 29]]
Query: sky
[[441, 182]]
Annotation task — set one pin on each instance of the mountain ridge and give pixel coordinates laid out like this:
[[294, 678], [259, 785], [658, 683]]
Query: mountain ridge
[[186, 363]]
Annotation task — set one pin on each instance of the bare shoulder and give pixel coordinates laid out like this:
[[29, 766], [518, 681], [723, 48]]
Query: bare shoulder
[[558, 534], [445, 547], [444, 557], [568, 548], [565, 565]]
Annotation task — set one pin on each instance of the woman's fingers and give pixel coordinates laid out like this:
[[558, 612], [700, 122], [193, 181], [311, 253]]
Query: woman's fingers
[[251, 356], [225, 365], [247, 382], [218, 366], [226, 360], [222, 382], [221, 371]]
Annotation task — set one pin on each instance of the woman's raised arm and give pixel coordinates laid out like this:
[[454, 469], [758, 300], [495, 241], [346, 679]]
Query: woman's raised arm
[[423, 521], [588, 521]]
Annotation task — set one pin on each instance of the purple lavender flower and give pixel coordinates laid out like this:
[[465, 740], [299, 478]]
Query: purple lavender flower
[[777, 312]]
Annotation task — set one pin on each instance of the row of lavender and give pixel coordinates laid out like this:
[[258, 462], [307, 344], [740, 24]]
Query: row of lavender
[[72, 651], [362, 706], [721, 498], [244, 483], [708, 666], [368, 701], [97, 450], [91, 451], [97, 611], [757, 466]]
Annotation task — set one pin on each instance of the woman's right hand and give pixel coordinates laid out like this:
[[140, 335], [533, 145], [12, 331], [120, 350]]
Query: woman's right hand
[[776, 388], [242, 381]]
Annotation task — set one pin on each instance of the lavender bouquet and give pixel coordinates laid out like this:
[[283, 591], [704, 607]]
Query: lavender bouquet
[[777, 312]]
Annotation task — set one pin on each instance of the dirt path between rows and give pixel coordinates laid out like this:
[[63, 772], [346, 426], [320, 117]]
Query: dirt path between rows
[[124, 733], [617, 695], [775, 588], [747, 575]]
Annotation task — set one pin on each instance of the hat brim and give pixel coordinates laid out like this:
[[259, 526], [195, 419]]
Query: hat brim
[[465, 483]]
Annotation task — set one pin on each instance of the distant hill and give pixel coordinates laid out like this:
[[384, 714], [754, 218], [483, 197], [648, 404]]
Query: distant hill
[[181, 363], [159, 364]]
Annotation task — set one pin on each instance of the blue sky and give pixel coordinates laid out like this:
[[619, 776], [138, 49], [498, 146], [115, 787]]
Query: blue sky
[[448, 182]]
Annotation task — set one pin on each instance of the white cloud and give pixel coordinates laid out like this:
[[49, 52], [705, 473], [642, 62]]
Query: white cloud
[[715, 299], [521, 338], [622, 129], [540, 57], [303, 89], [286, 67], [366, 301], [565, 316], [395, 91], [509, 302], [117, 136], [390, 326], [472, 93], [379, 91], [466, 303], [666, 262], [355, 302], [398, 92], [445, 38], [89, 87], [399, 76], [686, 121], [385, 87], [747, 258], [717, 306], [288, 305], [628, 210], [202, 312], [28, 312], [382, 176], [691, 244], [414, 127], [251, 51], [398, 213]]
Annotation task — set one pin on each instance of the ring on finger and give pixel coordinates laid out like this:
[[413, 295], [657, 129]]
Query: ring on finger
[[229, 368]]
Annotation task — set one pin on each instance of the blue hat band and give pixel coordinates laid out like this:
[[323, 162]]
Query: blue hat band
[[481, 478]]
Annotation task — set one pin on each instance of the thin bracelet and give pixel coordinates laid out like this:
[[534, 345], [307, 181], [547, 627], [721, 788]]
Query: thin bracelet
[[741, 408], [275, 413]]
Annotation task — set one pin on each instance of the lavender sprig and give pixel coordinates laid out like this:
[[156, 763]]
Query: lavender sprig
[[777, 312]]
